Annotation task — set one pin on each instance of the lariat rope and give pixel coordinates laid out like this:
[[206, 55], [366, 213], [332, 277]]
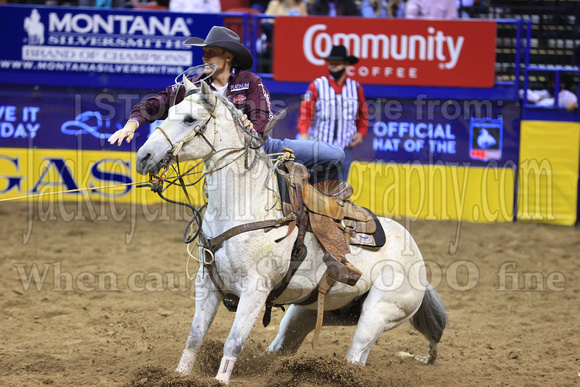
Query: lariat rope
[[69, 191]]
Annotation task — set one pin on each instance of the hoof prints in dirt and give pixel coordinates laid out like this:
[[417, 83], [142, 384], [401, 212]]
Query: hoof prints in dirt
[[310, 371], [272, 370], [155, 376], [322, 370]]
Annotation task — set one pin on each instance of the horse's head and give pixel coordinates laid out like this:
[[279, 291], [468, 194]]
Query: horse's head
[[190, 131]]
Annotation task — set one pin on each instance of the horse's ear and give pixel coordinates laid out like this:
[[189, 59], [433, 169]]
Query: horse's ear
[[189, 86], [207, 94]]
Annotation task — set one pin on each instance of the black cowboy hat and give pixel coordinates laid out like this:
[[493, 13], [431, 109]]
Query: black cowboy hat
[[228, 40], [339, 53]]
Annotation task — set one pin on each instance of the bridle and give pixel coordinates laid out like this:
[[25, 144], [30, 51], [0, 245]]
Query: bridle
[[198, 130], [157, 180]]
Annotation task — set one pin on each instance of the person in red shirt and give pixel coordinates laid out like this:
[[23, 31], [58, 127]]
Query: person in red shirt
[[334, 109], [232, 78]]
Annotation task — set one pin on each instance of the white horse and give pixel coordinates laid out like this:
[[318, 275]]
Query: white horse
[[240, 190]]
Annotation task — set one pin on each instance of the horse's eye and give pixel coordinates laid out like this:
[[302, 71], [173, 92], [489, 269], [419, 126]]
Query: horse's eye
[[189, 120]]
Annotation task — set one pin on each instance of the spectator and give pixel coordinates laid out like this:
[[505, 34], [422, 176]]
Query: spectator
[[464, 8], [431, 9], [277, 8], [259, 5], [286, 8], [195, 6], [334, 8], [374, 8], [396, 8], [334, 108], [545, 97]]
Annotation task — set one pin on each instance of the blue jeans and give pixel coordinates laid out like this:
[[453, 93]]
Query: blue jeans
[[346, 164], [323, 160]]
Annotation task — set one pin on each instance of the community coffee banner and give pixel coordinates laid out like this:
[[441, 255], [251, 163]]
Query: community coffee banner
[[97, 47], [450, 53]]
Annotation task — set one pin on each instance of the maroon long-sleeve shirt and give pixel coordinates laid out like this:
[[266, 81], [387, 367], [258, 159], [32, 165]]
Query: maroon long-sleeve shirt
[[245, 90]]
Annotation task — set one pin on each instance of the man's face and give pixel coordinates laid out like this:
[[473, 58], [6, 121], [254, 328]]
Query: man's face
[[337, 65], [218, 57]]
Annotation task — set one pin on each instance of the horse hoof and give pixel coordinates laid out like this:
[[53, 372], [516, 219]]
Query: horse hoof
[[186, 363]]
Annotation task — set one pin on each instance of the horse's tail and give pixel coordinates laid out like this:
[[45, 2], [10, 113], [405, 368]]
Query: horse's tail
[[430, 319]]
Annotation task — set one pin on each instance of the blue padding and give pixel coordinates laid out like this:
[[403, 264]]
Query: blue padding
[[499, 92], [535, 113]]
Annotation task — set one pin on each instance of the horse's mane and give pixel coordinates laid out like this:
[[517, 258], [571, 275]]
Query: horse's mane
[[252, 142]]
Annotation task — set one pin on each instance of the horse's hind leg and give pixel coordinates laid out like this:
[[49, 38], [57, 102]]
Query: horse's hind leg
[[430, 320], [206, 306], [381, 311], [294, 327]]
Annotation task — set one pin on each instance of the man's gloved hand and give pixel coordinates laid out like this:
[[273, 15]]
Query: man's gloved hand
[[127, 132], [247, 123]]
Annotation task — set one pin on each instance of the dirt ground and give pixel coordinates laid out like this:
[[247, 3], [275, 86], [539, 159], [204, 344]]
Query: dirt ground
[[96, 294]]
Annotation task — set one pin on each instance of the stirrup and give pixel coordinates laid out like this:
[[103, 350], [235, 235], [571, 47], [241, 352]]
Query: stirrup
[[345, 272]]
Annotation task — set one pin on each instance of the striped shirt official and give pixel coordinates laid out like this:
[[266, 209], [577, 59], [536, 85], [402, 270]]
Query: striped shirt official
[[335, 118]]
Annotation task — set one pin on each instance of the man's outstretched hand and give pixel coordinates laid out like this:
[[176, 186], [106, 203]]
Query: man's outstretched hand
[[127, 133]]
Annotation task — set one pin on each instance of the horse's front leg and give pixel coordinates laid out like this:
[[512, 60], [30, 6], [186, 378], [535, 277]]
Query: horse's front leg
[[249, 308], [207, 301]]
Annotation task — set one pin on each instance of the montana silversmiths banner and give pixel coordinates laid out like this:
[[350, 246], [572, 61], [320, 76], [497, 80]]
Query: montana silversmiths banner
[[449, 53], [97, 47]]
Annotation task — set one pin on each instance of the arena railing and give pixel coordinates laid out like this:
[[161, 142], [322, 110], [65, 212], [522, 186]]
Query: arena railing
[[546, 113]]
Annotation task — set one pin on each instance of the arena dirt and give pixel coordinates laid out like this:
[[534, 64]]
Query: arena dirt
[[119, 311]]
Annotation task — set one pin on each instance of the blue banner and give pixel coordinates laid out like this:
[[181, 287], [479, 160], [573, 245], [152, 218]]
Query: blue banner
[[447, 130], [52, 119], [477, 133], [97, 47], [428, 131]]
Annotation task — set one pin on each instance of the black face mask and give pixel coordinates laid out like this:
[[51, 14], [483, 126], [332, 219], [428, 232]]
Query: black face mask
[[337, 74]]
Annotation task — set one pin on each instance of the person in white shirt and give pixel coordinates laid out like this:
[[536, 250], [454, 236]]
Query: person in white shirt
[[195, 6], [431, 9], [545, 97]]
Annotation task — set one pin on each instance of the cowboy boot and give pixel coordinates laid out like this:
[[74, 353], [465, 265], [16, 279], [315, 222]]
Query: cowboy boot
[[341, 270]]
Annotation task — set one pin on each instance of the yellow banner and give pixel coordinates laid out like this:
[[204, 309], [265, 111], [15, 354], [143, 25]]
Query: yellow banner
[[548, 172], [435, 192], [56, 175]]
